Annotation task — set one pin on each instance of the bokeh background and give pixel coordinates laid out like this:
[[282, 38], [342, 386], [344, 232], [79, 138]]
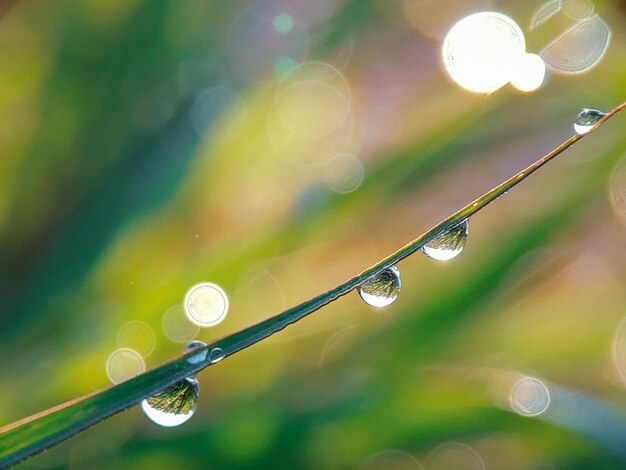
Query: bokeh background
[[276, 148]]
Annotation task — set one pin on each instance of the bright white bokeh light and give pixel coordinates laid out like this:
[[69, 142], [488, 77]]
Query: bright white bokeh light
[[206, 304], [479, 51], [529, 397], [529, 70], [123, 364]]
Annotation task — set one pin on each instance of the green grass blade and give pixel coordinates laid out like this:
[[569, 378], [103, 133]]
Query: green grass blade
[[32, 435]]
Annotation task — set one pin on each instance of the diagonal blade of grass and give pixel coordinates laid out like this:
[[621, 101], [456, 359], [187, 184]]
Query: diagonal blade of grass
[[34, 434]]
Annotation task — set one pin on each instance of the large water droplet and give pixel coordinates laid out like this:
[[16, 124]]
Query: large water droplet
[[216, 355], [173, 405], [448, 245], [381, 289], [587, 119]]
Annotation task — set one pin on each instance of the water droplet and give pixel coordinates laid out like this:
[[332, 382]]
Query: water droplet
[[587, 119], [173, 405], [381, 289], [216, 355], [195, 345], [449, 244]]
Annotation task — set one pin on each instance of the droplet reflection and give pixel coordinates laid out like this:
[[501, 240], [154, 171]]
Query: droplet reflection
[[587, 119], [174, 405], [449, 244], [382, 289]]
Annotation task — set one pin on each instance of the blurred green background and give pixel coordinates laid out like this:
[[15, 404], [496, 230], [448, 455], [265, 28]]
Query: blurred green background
[[276, 148]]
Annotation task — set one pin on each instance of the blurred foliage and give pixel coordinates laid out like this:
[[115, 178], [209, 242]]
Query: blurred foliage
[[114, 199]]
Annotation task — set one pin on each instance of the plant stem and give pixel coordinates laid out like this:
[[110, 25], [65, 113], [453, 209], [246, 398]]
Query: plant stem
[[36, 433]]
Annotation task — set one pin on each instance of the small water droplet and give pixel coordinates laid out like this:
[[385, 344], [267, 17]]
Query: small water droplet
[[216, 355], [195, 346], [587, 119], [381, 289], [449, 244], [173, 405]]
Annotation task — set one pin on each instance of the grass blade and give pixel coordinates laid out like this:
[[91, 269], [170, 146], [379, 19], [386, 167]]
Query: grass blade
[[36, 433]]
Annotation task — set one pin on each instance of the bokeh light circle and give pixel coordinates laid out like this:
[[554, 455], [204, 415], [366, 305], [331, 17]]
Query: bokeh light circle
[[454, 455], [176, 325], [579, 48], [206, 304], [138, 336], [343, 173], [311, 119], [391, 460], [617, 189], [619, 351], [479, 50], [529, 397], [313, 99], [123, 364], [529, 71]]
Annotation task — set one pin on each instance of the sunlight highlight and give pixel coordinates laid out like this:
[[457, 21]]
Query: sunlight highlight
[[528, 72], [206, 304], [480, 50]]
